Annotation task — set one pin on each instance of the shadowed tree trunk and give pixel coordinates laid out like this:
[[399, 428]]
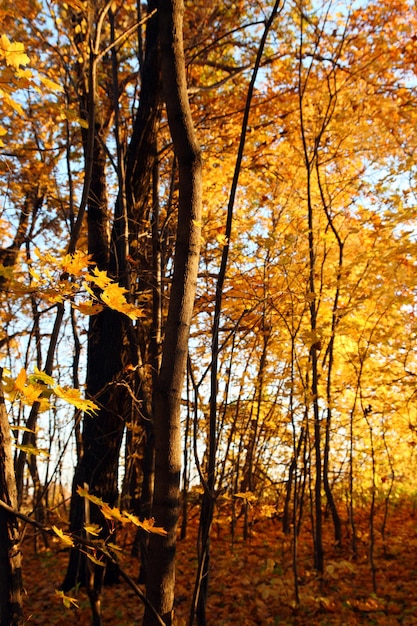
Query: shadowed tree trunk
[[113, 376], [11, 613], [167, 425]]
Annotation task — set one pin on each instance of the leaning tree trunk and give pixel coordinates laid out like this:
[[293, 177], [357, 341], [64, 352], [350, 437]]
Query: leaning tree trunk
[[167, 425], [11, 613]]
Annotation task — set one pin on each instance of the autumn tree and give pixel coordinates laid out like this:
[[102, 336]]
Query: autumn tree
[[301, 362]]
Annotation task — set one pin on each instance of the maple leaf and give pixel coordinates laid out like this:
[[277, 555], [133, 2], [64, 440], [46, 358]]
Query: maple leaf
[[66, 540], [72, 116], [32, 450], [112, 513], [94, 559], [99, 278], [20, 381], [113, 296], [92, 529], [222, 239], [42, 377], [246, 495], [13, 53], [89, 307], [73, 396], [76, 263], [3, 132], [68, 601], [84, 493], [149, 526]]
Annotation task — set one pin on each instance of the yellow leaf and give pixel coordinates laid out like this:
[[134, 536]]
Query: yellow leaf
[[32, 450], [222, 239], [50, 84], [21, 429], [67, 600], [134, 519], [9, 101], [113, 546], [73, 396], [76, 263], [20, 380], [149, 526], [99, 278], [21, 73], [112, 513], [84, 493], [92, 529], [13, 53], [94, 560], [88, 308], [32, 394], [71, 116], [39, 376], [113, 296], [66, 540], [246, 495]]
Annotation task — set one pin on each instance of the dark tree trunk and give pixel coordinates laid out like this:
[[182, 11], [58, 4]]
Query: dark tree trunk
[[107, 357], [114, 375], [167, 425], [11, 611], [102, 433], [292, 483]]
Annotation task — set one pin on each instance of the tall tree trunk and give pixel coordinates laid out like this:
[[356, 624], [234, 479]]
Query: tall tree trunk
[[11, 611], [329, 383], [167, 425], [108, 349], [112, 345]]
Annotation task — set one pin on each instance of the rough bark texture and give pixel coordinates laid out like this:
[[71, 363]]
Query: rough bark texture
[[161, 567], [11, 613]]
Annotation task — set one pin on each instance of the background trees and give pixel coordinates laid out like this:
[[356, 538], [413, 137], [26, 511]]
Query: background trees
[[311, 399]]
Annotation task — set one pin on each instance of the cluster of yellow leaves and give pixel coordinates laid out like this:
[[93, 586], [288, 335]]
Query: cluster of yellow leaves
[[100, 547], [39, 387], [112, 294], [70, 278], [14, 77], [12, 53], [123, 517], [12, 56]]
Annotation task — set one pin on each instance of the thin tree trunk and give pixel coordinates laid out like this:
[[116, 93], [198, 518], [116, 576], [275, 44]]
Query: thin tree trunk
[[315, 345], [167, 424], [292, 484], [11, 610], [201, 585], [330, 354]]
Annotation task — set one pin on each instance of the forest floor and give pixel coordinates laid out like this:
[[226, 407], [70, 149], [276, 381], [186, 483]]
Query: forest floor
[[252, 581]]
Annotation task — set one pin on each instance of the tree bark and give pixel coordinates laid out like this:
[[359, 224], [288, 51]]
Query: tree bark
[[11, 611], [167, 426], [112, 345]]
